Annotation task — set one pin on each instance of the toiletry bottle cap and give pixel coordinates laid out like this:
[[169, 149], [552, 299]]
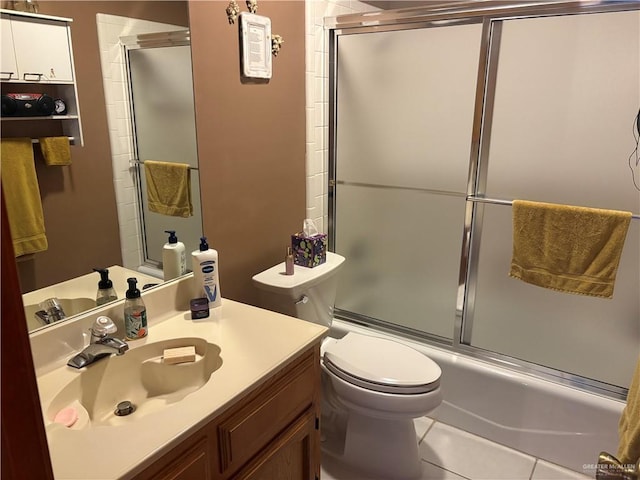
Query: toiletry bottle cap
[[204, 246], [133, 292], [172, 236], [104, 282]]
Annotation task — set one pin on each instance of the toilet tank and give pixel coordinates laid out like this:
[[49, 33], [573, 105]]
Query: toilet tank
[[308, 294]]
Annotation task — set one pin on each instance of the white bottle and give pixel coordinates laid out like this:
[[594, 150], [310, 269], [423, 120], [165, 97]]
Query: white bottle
[[205, 274], [174, 262]]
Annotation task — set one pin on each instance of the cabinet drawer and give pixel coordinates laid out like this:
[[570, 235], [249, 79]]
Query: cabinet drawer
[[267, 412]]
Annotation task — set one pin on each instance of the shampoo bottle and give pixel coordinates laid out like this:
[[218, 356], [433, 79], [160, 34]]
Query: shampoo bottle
[[205, 274], [135, 313], [106, 293], [174, 261]]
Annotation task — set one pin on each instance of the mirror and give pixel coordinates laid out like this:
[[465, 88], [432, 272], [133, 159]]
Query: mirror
[[93, 207]]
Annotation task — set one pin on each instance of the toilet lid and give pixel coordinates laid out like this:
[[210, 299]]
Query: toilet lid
[[381, 365]]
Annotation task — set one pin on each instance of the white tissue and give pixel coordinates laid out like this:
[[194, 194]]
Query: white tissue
[[309, 228]]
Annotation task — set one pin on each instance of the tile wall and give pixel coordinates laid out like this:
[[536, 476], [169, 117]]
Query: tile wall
[[316, 80]]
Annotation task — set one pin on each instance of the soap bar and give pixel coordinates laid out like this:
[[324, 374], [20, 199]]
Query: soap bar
[[179, 355]]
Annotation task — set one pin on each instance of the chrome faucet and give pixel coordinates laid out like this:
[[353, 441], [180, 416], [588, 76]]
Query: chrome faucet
[[51, 311], [101, 344]]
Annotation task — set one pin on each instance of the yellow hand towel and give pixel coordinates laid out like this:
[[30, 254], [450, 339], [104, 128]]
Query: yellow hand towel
[[566, 248], [22, 196], [629, 426], [169, 188], [55, 150]]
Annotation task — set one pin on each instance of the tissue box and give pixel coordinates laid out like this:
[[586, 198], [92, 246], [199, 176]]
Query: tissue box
[[309, 251]]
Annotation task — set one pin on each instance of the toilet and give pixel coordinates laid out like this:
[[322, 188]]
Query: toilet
[[372, 388]]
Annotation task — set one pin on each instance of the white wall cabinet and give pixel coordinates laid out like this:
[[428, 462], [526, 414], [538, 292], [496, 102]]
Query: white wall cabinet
[[48, 60], [9, 66], [37, 57]]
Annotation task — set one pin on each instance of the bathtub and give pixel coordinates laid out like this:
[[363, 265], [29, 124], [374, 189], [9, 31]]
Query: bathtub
[[554, 422]]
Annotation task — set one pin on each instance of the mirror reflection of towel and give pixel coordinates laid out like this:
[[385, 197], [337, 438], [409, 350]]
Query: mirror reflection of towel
[[22, 196], [566, 248], [168, 188]]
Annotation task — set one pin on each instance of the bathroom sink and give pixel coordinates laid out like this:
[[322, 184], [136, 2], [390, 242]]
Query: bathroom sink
[[141, 377], [71, 306]]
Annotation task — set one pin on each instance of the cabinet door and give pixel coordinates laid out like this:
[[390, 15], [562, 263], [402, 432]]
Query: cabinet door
[[8, 67], [194, 463], [250, 428], [288, 457], [42, 48]]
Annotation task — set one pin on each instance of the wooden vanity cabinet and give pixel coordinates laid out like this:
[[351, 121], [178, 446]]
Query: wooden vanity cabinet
[[271, 433]]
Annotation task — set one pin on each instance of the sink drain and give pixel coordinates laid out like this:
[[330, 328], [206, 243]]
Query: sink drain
[[125, 408]]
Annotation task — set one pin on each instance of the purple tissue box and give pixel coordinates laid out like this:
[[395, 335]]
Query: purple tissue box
[[309, 251]]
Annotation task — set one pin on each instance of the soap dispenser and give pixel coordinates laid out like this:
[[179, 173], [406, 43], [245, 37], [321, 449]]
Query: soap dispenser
[[174, 263], [135, 313], [106, 293], [205, 273]]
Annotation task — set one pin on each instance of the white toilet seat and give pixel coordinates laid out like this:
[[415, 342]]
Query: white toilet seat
[[381, 365]]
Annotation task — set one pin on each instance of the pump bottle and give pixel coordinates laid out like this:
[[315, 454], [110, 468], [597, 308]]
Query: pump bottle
[[174, 262], [205, 273], [106, 293], [135, 313]]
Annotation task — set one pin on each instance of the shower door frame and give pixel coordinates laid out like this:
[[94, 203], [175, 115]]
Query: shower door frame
[[492, 18], [173, 38]]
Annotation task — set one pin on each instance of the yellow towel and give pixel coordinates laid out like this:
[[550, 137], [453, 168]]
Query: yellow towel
[[55, 150], [169, 188], [566, 248], [629, 426], [22, 196]]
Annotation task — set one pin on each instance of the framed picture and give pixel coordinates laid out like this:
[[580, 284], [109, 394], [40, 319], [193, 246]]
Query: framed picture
[[255, 39]]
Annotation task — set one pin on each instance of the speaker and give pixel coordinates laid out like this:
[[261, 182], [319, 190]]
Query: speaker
[[27, 105]]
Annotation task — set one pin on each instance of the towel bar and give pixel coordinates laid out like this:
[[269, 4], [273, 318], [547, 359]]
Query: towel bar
[[72, 140], [133, 163], [498, 201]]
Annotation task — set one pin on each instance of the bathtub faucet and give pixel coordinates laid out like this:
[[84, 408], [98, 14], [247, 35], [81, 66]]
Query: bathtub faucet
[[610, 468]]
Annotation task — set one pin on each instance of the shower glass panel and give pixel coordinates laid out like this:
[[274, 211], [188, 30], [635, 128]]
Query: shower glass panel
[[161, 87], [562, 133], [403, 124]]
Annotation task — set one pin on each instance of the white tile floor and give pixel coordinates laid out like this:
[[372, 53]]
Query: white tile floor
[[451, 454]]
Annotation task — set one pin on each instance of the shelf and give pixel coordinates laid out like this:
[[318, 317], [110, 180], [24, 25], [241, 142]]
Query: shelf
[[40, 16], [18, 81], [42, 117]]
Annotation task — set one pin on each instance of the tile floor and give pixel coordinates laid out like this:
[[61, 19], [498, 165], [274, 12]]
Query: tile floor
[[451, 454]]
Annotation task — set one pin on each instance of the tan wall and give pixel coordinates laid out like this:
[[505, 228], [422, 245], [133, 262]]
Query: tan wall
[[79, 201], [251, 145], [251, 142]]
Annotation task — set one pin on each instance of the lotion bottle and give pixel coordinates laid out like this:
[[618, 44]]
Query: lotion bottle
[[288, 262], [174, 262], [135, 313], [106, 293], [205, 274]]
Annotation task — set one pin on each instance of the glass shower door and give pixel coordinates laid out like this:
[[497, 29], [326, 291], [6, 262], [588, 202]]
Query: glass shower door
[[561, 132], [403, 128], [164, 125]]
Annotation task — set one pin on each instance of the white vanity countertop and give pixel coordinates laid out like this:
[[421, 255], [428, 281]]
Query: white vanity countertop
[[254, 343]]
